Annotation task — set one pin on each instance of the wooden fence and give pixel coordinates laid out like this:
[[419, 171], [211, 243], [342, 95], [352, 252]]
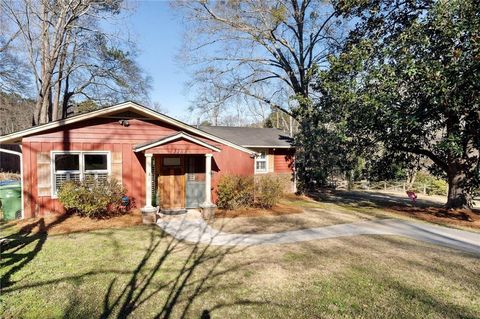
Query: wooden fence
[[391, 186]]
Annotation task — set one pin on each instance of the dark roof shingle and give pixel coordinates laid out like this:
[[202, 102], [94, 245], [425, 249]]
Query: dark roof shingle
[[251, 136]]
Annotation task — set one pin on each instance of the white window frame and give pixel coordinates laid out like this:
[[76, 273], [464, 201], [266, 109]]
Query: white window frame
[[81, 163], [259, 159]]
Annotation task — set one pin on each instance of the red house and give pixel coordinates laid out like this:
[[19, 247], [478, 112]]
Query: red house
[[160, 160]]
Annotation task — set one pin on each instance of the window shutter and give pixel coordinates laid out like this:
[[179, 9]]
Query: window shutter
[[271, 162], [117, 166], [44, 174]]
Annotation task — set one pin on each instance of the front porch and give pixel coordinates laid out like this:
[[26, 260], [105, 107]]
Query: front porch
[[178, 173]]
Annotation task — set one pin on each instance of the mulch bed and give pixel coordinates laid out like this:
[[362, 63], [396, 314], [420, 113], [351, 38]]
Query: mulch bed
[[69, 223], [459, 217]]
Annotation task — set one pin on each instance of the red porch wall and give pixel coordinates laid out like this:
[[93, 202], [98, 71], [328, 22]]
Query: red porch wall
[[230, 161]]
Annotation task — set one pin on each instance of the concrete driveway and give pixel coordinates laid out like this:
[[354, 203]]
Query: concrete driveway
[[196, 230]]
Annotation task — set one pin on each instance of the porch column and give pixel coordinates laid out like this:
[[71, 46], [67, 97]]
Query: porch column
[[148, 183], [208, 180]]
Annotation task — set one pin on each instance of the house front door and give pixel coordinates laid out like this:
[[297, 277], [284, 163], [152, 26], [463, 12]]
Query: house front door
[[195, 174], [171, 182]]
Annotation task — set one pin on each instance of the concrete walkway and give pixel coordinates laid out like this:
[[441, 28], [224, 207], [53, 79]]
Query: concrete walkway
[[197, 231]]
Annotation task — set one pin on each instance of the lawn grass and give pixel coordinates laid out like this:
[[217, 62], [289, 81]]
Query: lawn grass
[[142, 273]]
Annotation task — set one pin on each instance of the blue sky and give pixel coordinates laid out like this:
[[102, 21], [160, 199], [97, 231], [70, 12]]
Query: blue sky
[[158, 32]]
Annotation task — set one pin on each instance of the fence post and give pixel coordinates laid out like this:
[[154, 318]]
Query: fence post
[[424, 189], [384, 185], [403, 185]]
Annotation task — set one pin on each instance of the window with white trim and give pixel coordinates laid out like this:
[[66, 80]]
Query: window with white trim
[[75, 166], [261, 164]]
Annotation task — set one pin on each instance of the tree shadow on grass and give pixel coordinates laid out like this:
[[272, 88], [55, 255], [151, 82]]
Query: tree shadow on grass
[[12, 247], [198, 273], [370, 199], [166, 282]]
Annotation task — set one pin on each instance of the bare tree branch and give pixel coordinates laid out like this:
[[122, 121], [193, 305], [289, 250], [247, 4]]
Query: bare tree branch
[[252, 47]]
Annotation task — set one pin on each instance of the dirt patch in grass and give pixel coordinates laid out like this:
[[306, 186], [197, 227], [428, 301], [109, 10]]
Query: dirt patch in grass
[[277, 210], [68, 223], [459, 217]]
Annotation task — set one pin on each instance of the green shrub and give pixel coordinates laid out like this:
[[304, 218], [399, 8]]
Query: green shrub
[[92, 198], [268, 190], [433, 185], [235, 192], [437, 187]]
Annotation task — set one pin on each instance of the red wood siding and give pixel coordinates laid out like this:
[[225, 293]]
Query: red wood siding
[[107, 134], [283, 160], [106, 130], [40, 205], [230, 161]]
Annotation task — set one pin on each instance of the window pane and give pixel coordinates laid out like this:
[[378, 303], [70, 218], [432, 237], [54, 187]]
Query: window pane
[[95, 162], [67, 162], [261, 166]]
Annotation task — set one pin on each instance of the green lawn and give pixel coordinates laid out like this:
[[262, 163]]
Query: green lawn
[[140, 272]]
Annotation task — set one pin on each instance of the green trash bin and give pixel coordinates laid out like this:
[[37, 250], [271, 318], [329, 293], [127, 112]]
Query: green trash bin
[[11, 201]]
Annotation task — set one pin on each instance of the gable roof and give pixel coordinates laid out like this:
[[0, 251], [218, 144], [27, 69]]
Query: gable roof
[[16, 137], [167, 139], [251, 136]]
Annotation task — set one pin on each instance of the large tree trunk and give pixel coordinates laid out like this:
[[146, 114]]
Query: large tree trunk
[[458, 194], [38, 110], [462, 171], [66, 97], [461, 183]]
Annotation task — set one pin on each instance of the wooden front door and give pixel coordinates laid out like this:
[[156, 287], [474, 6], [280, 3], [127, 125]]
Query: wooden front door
[[171, 182]]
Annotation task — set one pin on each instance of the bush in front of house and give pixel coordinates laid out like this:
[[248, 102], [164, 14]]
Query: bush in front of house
[[91, 197], [268, 190], [235, 191]]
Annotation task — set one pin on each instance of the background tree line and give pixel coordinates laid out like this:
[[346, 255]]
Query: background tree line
[[57, 54]]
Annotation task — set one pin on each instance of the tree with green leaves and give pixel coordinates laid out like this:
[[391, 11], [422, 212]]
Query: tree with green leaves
[[408, 82]]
